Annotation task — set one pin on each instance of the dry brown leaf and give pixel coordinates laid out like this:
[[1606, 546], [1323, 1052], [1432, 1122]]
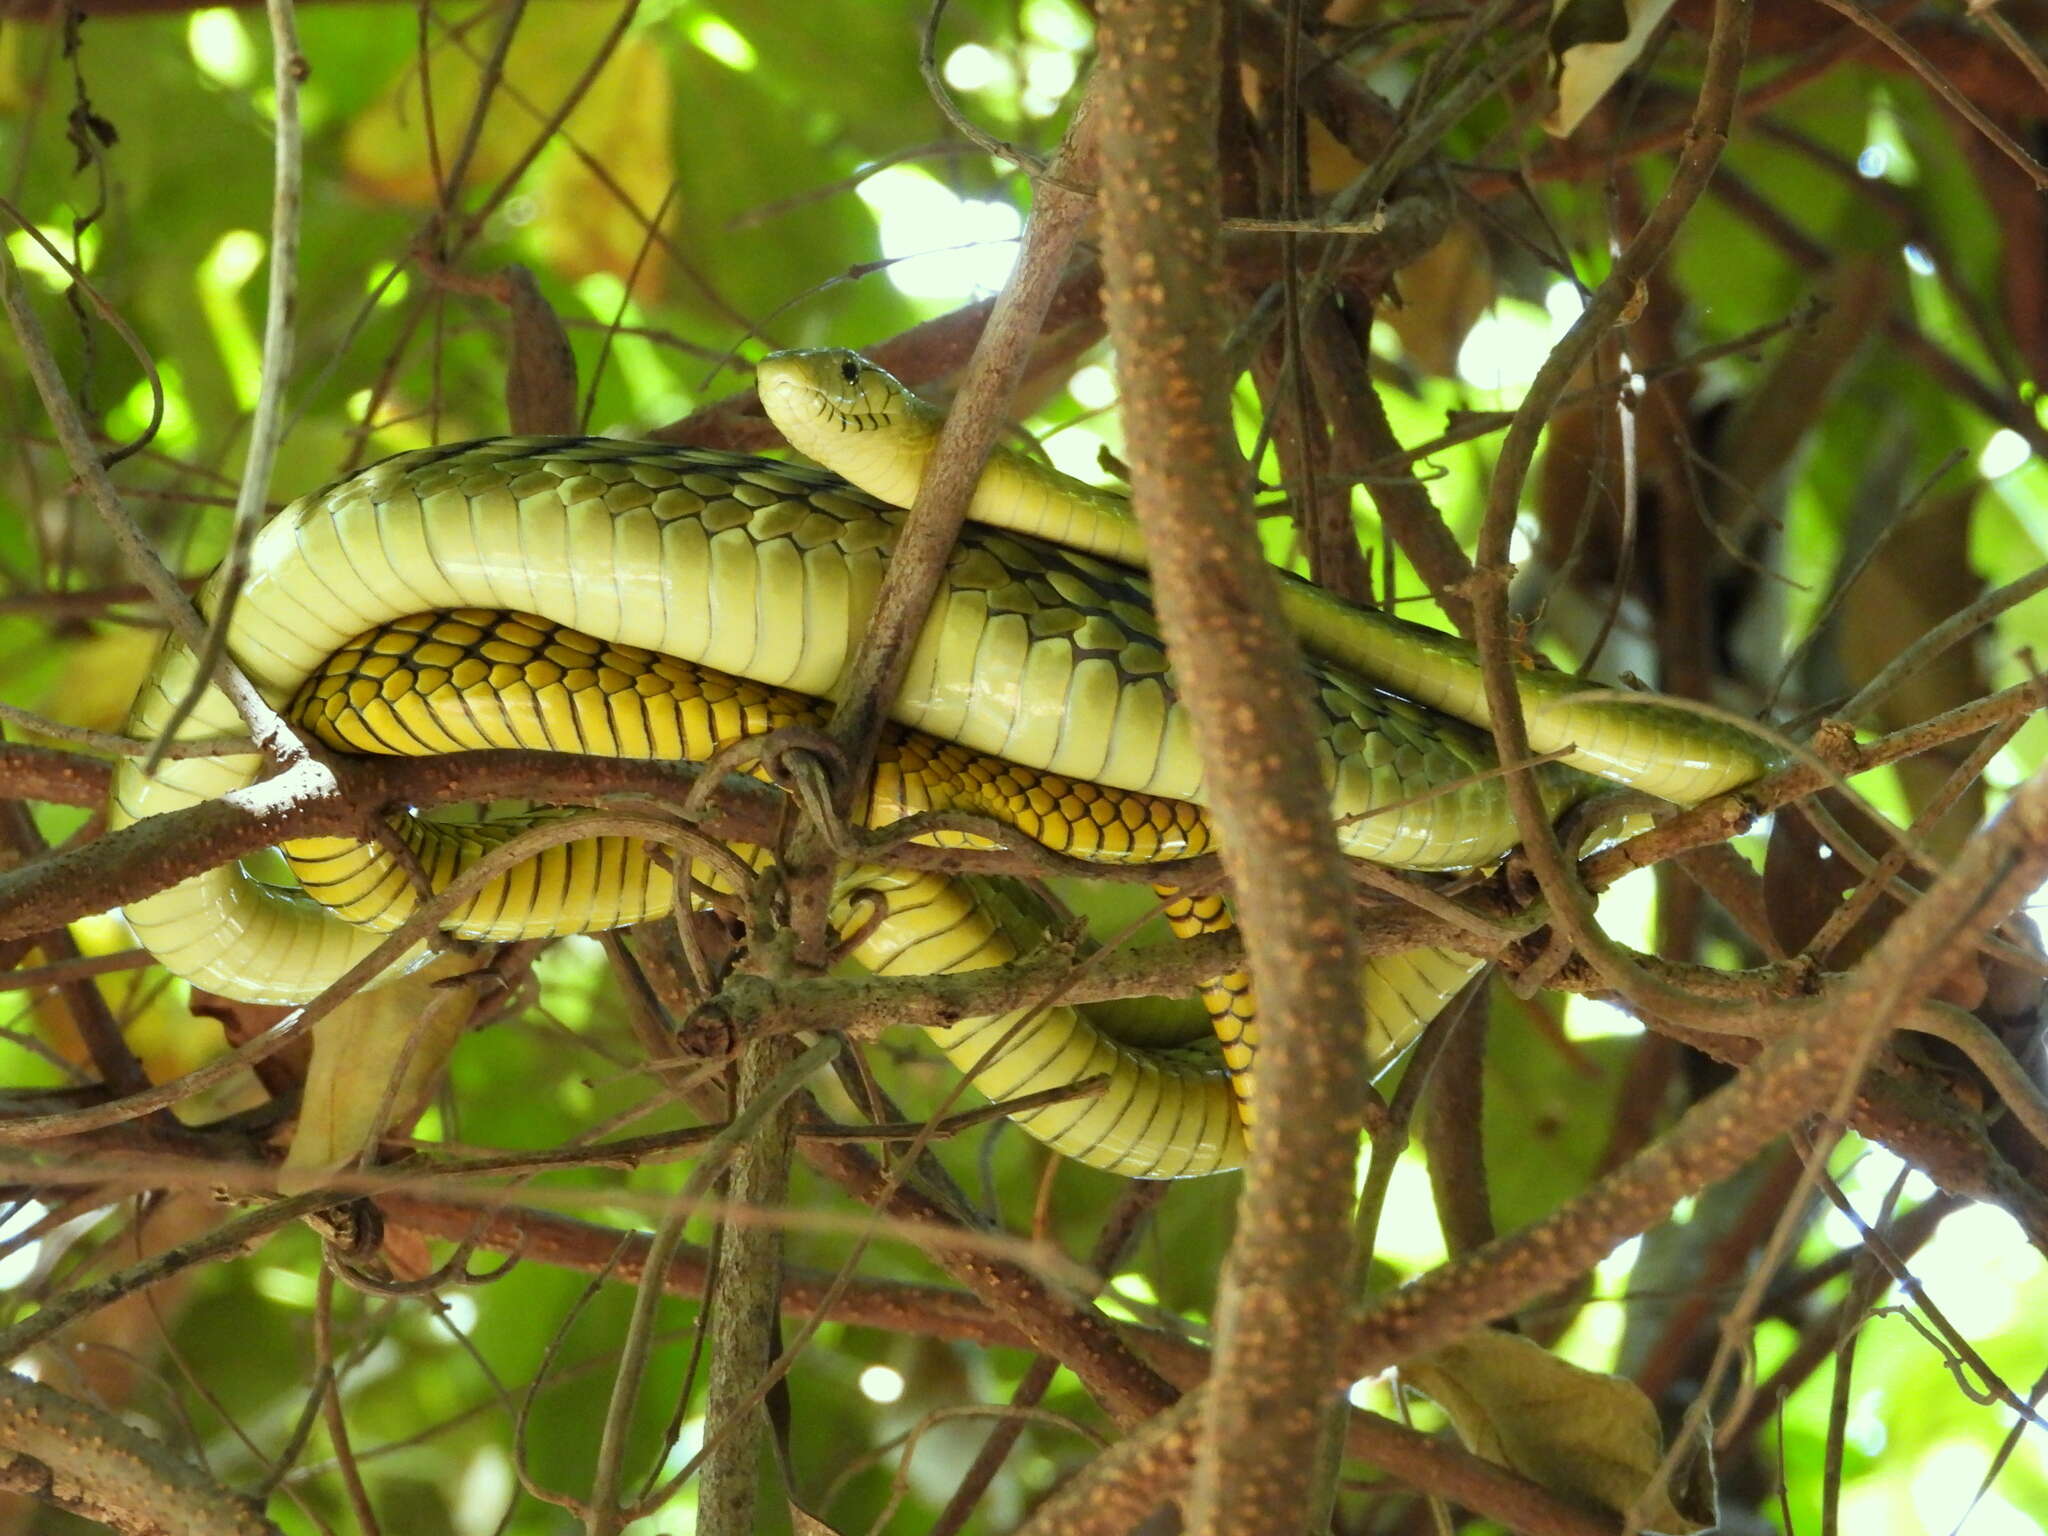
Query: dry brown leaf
[[803, 1523], [540, 374], [1579, 489], [1920, 577], [1803, 882], [1754, 453]]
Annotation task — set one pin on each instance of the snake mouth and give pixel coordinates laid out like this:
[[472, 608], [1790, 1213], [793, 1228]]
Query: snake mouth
[[777, 378], [817, 385], [829, 411]]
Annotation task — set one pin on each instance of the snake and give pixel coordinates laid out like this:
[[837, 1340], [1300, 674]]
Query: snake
[[646, 600]]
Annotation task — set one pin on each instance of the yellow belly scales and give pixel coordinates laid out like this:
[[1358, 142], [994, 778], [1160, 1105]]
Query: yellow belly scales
[[640, 600], [475, 679]]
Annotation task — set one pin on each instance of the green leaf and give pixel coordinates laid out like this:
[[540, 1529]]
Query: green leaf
[[406, 1032], [1549, 1106], [1588, 1436]]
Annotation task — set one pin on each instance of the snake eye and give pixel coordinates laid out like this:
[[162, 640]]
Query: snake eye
[[850, 371]]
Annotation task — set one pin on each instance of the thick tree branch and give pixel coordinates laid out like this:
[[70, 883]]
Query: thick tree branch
[[1240, 676], [91, 1463], [156, 853]]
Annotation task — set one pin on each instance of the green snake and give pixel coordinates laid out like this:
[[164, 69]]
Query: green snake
[[642, 600]]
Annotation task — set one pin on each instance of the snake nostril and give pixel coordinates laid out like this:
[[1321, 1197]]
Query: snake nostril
[[850, 371]]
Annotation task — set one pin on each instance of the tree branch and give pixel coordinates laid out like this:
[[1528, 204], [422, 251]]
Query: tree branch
[[91, 1463], [1800, 1074], [1240, 676]]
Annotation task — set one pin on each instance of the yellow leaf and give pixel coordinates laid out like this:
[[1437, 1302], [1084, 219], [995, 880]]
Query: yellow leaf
[[100, 677], [1442, 293], [14, 95], [151, 1010], [623, 125]]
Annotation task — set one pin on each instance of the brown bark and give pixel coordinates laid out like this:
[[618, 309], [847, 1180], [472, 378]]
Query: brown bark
[[91, 1463], [1240, 676], [747, 1302]]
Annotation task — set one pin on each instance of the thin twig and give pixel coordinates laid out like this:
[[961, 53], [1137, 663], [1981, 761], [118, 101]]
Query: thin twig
[[83, 284], [61, 971], [942, 98], [229, 1238], [330, 1404], [266, 424], [1994, 1386], [69, 422], [1945, 88], [1569, 903], [1992, 19], [124, 746]]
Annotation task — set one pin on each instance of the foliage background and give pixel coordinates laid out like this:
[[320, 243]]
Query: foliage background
[[713, 195]]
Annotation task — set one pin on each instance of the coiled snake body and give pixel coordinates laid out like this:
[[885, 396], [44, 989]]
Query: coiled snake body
[[641, 600]]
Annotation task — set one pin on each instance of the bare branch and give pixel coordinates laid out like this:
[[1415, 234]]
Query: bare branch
[[1239, 673], [91, 1463]]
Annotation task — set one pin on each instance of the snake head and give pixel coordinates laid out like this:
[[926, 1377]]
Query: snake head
[[856, 419]]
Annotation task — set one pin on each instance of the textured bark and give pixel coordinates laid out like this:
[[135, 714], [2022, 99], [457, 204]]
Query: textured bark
[[78, 1458], [1240, 675], [1126, 1483], [747, 1299]]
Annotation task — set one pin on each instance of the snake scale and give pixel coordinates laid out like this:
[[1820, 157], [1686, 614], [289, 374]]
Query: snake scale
[[635, 599]]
